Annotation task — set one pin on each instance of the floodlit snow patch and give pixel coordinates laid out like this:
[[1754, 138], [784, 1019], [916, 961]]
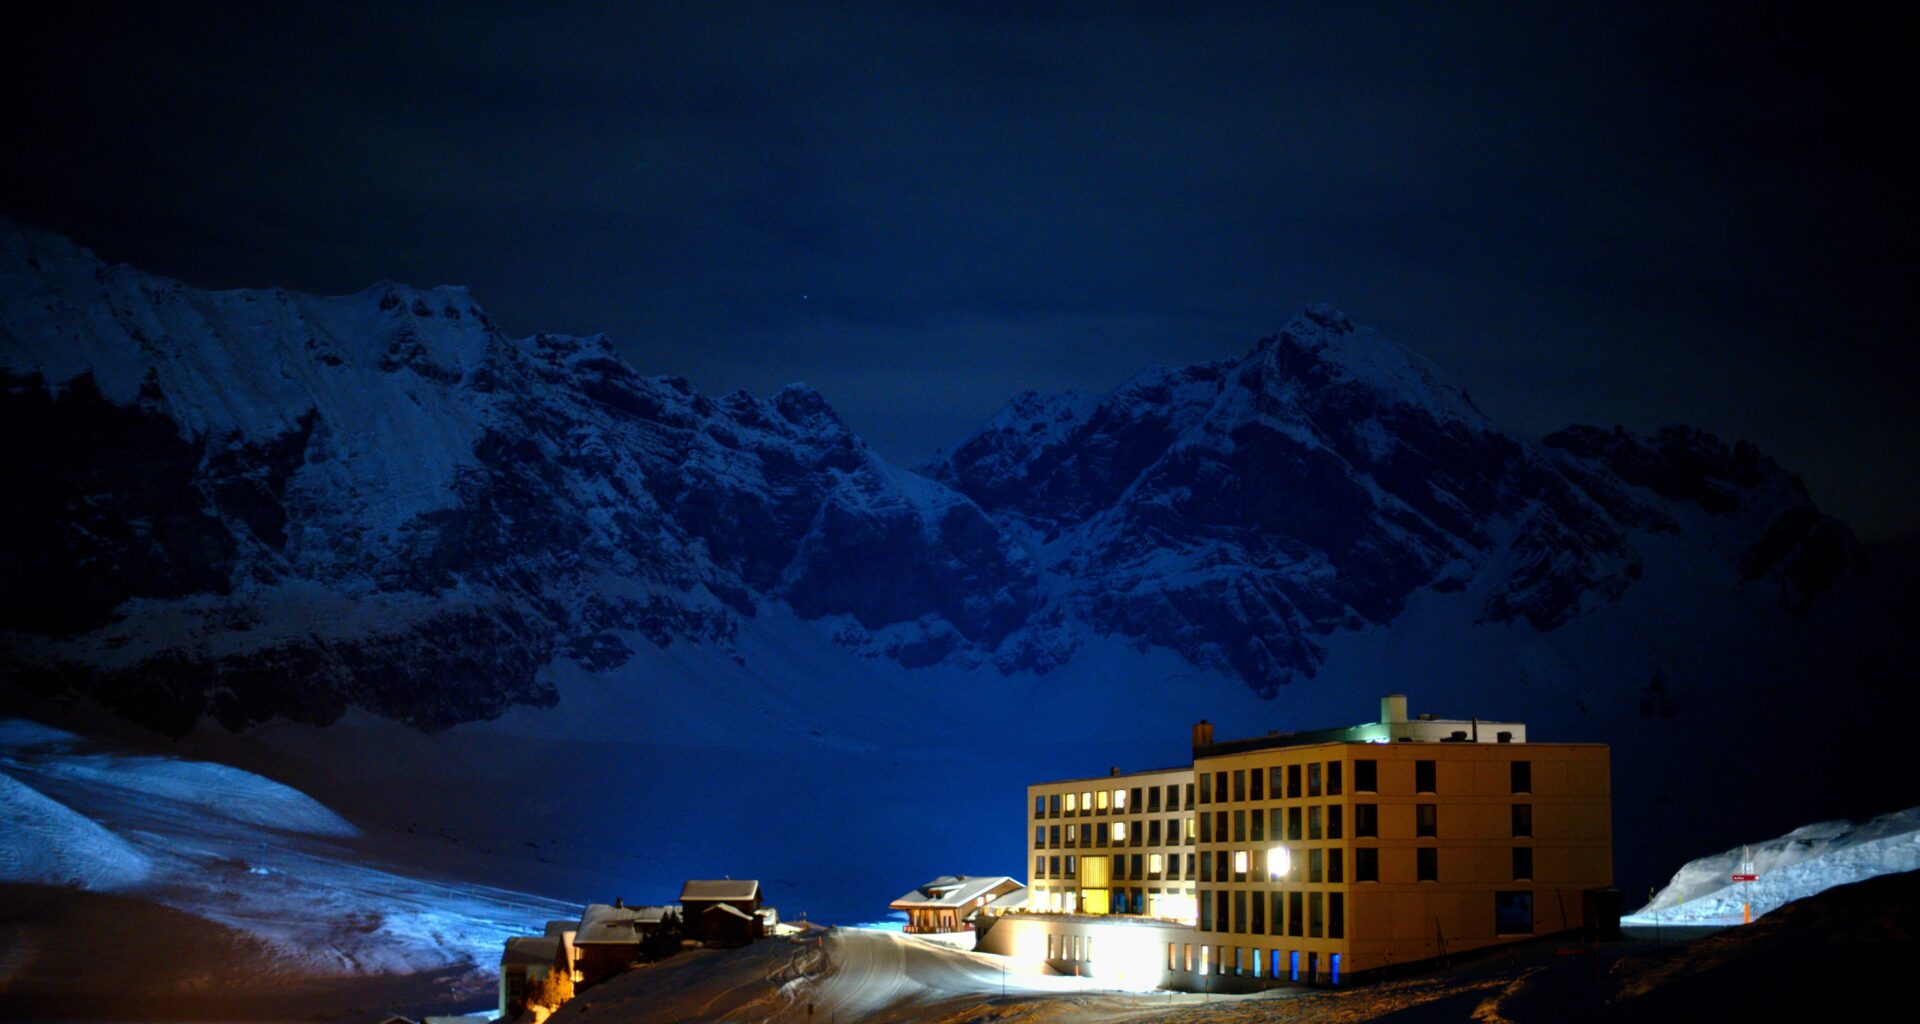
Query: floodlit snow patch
[[215, 788], [1802, 863], [48, 843]]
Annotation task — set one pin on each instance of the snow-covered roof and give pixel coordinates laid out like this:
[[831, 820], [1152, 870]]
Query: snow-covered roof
[[602, 924], [728, 908], [719, 889], [527, 951], [559, 929], [953, 891]]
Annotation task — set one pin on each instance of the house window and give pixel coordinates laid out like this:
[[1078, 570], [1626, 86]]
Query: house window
[[1513, 913], [1366, 821], [1336, 915], [1423, 777], [1366, 776], [1313, 779], [1426, 861], [1333, 821], [1523, 863], [1522, 777], [1366, 864], [1333, 778], [1335, 869], [1523, 819], [1426, 819]]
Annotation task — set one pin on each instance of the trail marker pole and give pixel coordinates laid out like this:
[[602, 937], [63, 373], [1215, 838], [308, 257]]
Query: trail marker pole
[[1746, 876]]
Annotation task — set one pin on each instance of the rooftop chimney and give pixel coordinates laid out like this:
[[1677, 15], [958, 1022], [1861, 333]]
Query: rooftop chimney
[[1203, 734], [1393, 708], [1114, 771], [619, 904]]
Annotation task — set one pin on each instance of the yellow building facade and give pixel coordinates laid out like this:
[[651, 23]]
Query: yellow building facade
[[1309, 857]]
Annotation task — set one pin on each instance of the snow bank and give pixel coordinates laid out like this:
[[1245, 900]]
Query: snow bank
[[48, 843], [21, 734], [1806, 861], [214, 788]]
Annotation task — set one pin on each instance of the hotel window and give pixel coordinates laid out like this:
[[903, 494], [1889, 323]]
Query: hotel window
[[1220, 910], [1053, 835], [1187, 953], [1220, 864], [1220, 826], [1313, 822], [1189, 794], [1239, 826], [1039, 806], [1366, 864], [1316, 916], [1073, 802], [1119, 831], [1366, 776], [1136, 863], [1513, 913], [1293, 823], [1240, 914], [1523, 819], [1086, 802], [1259, 820], [1119, 867], [1293, 782], [1366, 821], [1333, 778], [1333, 821], [1053, 805], [1039, 835], [1206, 828], [1086, 835], [1071, 833], [1426, 819], [1189, 829], [1256, 787], [1102, 798], [1336, 872], [1053, 866], [1240, 860], [1522, 776], [1423, 777], [1315, 871], [1156, 865], [1220, 786], [1279, 913], [1206, 788], [1523, 863], [1189, 865], [1133, 799], [1426, 863], [1313, 779], [1259, 909], [1073, 864], [1240, 784], [1039, 867], [1153, 832], [1336, 915], [1173, 796], [1294, 912], [1153, 800], [1273, 820], [1206, 869], [1274, 785]]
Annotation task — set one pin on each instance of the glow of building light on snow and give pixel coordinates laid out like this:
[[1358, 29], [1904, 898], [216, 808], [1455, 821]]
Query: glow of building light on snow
[[1129, 958]]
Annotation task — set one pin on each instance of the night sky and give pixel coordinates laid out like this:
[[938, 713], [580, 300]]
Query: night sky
[[1638, 216]]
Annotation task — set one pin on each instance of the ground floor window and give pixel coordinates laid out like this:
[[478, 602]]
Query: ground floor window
[[1513, 913]]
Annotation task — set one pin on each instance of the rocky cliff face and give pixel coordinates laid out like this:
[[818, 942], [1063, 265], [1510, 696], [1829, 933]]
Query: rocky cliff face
[[259, 503]]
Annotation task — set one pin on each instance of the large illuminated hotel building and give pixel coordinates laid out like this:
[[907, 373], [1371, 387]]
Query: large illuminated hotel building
[[1314, 856]]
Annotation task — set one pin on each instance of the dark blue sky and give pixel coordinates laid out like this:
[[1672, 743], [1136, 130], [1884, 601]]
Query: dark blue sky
[[1643, 215]]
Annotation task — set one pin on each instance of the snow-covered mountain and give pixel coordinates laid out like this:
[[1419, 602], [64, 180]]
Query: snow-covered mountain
[[251, 504]]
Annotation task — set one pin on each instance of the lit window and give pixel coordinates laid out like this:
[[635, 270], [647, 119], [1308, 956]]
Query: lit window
[[1239, 862], [1119, 799], [1086, 799], [1119, 831], [1103, 800], [1071, 804], [1278, 862], [1155, 864], [1189, 828]]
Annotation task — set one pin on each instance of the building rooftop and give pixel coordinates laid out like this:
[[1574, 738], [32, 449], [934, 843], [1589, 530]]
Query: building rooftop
[[604, 925], [952, 891], [720, 889], [527, 951], [1393, 727], [1117, 774]]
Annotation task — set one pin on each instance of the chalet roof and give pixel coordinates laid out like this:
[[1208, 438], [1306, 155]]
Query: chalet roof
[[559, 929], [605, 925], [1011, 900], [953, 891], [728, 908], [720, 889], [527, 951]]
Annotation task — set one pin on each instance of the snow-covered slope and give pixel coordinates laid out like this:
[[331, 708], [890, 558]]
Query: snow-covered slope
[[1808, 860]]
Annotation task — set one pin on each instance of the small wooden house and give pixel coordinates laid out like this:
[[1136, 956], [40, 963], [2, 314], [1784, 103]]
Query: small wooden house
[[609, 938], [525, 962], [950, 903], [722, 912]]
